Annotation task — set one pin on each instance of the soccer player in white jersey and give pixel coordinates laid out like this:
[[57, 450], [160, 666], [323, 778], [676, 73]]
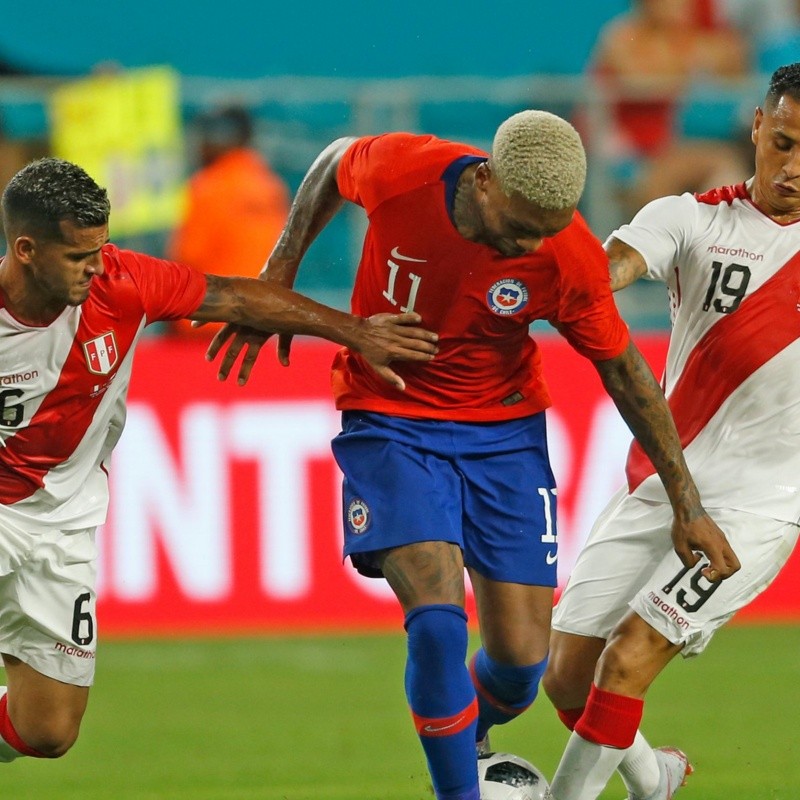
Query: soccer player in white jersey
[[731, 260], [72, 309]]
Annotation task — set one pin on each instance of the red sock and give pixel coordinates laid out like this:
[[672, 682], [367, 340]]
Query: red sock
[[570, 716], [610, 719], [10, 736]]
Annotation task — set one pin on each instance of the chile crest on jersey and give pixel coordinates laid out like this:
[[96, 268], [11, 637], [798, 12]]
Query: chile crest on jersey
[[507, 296], [358, 516]]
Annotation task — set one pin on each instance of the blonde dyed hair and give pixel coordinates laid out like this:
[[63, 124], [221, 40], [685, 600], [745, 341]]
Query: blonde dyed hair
[[541, 157]]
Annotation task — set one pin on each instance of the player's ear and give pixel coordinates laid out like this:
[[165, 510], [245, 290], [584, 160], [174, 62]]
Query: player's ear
[[759, 115], [483, 178], [24, 247], [483, 175]]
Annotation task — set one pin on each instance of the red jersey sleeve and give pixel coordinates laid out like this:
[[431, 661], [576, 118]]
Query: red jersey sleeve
[[587, 316], [375, 168], [168, 290]]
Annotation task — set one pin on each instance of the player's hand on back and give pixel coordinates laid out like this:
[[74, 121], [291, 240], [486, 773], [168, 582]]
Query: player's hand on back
[[395, 337], [381, 339], [692, 537]]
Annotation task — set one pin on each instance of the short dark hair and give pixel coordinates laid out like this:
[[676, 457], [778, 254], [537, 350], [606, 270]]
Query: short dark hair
[[785, 80], [230, 126], [49, 191]]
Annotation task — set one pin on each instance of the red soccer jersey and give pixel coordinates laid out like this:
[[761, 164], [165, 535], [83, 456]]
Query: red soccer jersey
[[63, 401], [480, 302]]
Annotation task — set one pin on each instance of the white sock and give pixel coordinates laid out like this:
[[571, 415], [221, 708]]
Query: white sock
[[639, 768], [584, 770]]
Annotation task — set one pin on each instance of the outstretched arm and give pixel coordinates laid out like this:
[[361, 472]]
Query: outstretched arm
[[316, 202], [634, 389], [381, 339]]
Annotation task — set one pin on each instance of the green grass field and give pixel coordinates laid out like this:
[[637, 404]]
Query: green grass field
[[308, 718]]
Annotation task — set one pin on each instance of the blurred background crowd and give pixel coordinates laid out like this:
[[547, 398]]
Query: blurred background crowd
[[202, 123]]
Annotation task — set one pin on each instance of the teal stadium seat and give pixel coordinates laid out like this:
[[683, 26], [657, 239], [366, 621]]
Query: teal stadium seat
[[709, 114], [475, 121], [777, 50], [22, 117]]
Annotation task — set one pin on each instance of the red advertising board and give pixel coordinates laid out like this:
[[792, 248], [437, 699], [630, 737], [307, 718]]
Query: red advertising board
[[225, 512]]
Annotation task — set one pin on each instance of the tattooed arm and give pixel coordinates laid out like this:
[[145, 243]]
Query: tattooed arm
[[634, 389], [381, 338], [625, 263], [315, 204]]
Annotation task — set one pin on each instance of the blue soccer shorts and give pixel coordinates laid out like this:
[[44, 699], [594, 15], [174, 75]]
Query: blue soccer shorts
[[487, 487]]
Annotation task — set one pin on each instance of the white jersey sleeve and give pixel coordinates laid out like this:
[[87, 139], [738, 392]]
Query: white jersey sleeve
[[660, 233]]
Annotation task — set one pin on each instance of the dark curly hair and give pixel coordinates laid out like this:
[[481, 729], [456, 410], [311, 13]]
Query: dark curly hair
[[785, 80], [48, 191]]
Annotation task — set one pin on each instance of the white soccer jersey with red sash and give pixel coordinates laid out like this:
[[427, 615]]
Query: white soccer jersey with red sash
[[733, 367], [63, 388]]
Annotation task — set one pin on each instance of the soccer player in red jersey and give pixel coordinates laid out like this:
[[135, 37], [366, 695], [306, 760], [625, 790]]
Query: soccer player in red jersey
[[731, 260], [72, 309], [454, 472]]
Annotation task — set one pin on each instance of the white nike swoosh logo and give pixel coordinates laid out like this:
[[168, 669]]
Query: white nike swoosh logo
[[400, 257], [439, 728], [550, 558]]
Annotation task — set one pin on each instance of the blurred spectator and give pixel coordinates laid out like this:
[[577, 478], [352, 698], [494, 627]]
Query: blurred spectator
[[760, 21], [772, 28], [236, 205], [772, 25], [653, 55]]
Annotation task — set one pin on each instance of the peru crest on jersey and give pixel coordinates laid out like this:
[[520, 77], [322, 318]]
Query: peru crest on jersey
[[101, 353]]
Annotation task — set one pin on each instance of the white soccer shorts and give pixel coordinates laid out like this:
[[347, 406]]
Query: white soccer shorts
[[628, 562], [47, 601]]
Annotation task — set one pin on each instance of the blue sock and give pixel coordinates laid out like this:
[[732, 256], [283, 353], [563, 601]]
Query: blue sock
[[442, 698], [504, 691]]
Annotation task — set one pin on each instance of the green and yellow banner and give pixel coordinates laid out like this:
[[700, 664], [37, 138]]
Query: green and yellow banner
[[124, 129]]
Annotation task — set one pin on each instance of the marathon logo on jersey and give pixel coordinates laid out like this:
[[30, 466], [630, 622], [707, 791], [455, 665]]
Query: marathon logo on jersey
[[101, 353], [19, 377], [358, 516], [71, 650], [668, 610], [507, 296], [736, 252]]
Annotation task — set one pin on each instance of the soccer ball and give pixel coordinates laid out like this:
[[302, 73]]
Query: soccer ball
[[503, 776]]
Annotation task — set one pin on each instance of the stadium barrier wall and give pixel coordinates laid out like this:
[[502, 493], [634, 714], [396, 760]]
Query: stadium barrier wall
[[225, 512]]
